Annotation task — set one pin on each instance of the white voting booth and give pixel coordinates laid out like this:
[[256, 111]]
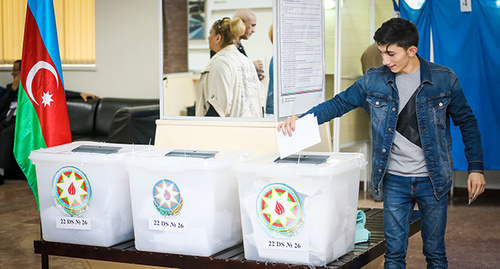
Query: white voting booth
[[299, 84]]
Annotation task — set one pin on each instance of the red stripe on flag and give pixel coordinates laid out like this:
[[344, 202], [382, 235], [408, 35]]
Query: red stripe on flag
[[44, 86]]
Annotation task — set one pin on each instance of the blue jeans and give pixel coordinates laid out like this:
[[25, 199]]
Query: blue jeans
[[400, 195]]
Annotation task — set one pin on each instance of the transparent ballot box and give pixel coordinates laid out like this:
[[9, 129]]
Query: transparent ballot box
[[301, 209], [185, 201], [84, 193]]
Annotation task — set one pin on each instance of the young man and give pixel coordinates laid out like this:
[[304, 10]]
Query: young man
[[410, 102]]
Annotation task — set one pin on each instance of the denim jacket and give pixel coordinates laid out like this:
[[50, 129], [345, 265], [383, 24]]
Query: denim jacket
[[439, 98]]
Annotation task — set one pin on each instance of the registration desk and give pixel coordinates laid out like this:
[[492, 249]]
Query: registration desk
[[232, 257]]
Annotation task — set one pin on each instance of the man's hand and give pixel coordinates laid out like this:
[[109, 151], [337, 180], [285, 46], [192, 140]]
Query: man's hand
[[259, 67], [475, 185], [15, 83], [288, 126], [86, 96]]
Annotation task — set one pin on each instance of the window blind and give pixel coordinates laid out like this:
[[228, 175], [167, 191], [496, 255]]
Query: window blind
[[75, 21]]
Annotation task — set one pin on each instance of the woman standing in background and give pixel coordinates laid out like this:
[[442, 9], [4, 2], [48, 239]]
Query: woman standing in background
[[229, 85]]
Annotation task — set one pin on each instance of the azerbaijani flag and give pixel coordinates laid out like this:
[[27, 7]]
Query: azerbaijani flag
[[42, 116]]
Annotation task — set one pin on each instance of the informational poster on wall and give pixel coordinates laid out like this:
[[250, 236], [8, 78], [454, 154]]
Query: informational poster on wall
[[299, 55]]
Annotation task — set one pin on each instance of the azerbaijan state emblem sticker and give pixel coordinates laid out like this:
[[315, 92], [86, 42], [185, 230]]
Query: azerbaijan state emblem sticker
[[279, 209], [167, 198], [71, 190]]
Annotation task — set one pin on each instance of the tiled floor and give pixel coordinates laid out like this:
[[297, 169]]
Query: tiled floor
[[473, 233]]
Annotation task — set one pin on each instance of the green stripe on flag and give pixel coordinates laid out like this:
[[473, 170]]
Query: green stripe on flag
[[28, 137]]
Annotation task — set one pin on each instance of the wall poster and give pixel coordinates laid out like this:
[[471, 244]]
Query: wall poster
[[299, 55]]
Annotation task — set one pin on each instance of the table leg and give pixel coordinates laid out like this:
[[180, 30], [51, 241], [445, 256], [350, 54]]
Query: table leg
[[45, 261]]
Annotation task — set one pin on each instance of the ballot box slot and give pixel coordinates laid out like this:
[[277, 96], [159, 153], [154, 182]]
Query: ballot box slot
[[96, 149], [303, 158], [201, 154]]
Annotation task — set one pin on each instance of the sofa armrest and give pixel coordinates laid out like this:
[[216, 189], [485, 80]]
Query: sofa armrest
[[81, 117], [107, 109], [134, 125]]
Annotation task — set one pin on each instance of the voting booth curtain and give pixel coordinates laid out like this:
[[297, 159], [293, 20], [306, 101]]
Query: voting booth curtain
[[468, 43]]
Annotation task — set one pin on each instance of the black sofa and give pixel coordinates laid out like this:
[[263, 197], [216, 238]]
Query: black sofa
[[113, 120]]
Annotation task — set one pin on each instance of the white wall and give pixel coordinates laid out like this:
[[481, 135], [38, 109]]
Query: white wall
[[127, 52], [5, 77]]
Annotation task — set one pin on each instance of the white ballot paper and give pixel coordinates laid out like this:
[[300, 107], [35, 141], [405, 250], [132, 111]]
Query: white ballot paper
[[306, 134]]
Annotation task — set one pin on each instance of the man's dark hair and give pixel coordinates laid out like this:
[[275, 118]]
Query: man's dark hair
[[397, 31]]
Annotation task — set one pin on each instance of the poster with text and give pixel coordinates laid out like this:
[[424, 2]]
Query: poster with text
[[300, 55]]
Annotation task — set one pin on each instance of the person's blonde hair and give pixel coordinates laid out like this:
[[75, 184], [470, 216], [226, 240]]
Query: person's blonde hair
[[229, 29]]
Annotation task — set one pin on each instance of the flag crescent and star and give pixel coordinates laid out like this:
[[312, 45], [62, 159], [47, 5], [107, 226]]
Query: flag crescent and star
[[31, 75]]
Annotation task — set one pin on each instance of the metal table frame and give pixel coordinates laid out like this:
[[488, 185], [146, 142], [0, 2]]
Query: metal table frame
[[232, 257]]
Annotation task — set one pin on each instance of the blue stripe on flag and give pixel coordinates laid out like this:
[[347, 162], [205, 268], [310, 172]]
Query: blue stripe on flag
[[43, 11]]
